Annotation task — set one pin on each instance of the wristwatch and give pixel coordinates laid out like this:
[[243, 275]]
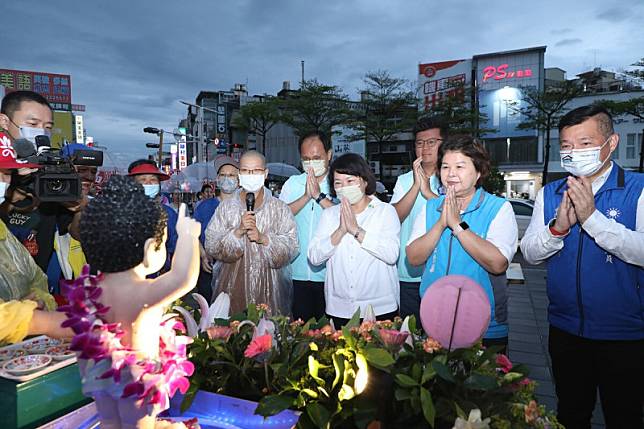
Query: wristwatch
[[460, 228], [320, 197]]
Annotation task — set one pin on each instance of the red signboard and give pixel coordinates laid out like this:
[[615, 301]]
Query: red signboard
[[56, 88]]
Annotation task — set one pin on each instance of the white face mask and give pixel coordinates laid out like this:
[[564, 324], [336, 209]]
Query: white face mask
[[583, 162], [353, 193], [228, 185], [30, 133], [3, 190], [318, 166], [151, 190], [251, 182]]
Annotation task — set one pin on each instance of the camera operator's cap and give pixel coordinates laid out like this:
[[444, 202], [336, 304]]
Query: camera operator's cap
[[222, 160], [8, 155], [148, 169]]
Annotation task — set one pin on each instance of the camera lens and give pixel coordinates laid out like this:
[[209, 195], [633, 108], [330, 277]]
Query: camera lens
[[56, 186]]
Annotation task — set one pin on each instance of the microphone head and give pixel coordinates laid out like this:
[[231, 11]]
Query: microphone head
[[24, 148], [250, 201]]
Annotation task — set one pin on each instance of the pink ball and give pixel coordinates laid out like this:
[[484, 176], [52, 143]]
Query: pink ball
[[455, 310]]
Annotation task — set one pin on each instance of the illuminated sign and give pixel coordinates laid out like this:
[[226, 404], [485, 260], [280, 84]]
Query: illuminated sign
[[56, 88], [501, 72]]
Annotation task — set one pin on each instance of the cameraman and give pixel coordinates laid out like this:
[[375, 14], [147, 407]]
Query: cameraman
[[26, 115]]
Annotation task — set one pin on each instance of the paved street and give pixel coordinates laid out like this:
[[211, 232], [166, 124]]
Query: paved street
[[528, 319]]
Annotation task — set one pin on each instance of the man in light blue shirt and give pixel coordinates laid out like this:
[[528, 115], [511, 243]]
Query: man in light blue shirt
[[411, 192], [306, 196]]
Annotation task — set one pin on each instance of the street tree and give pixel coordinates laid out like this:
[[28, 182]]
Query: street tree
[[541, 111], [315, 107], [457, 109], [259, 117], [389, 107], [633, 107]]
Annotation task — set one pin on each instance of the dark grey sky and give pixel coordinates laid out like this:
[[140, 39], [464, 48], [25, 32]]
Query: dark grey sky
[[131, 61]]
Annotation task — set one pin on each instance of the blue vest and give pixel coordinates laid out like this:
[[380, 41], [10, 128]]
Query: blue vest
[[449, 257], [592, 293]]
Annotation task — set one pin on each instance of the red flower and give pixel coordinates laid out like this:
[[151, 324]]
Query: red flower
[[503, 363], [259, 346]]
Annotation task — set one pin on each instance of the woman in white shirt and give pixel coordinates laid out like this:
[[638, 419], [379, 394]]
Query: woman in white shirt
[[359, 240]]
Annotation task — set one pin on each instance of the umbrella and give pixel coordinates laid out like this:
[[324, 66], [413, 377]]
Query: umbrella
[[281, 169], [200, 171]]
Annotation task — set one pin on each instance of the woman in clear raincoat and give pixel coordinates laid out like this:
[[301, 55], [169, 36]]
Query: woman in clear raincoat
[[254, 247]]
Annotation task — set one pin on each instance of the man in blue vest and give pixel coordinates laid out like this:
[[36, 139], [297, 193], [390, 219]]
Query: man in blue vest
[[306, 196], [411, 192], [589, 227]]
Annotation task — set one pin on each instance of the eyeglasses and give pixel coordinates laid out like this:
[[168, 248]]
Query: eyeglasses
[[428, 142], [228, 176], [253, 171]]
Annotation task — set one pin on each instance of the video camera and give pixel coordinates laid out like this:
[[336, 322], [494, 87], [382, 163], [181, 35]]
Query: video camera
[[57, 179]]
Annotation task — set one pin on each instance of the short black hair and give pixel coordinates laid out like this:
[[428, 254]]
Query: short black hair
[[204, 186], [115, 225], [138, 162], [326, 141], [11, 102], [583, 113], [353, 165], [425, 123], [470, 147]]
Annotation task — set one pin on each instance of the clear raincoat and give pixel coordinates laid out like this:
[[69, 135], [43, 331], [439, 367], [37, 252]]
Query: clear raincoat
[[22, 285], [250, 272]]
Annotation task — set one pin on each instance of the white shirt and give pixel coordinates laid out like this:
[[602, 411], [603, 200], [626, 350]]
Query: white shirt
[[502, 233], [538, 243], [359, 274]]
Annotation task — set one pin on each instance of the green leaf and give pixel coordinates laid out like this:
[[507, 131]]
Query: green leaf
[[318, 414], [273, 404], [428, 374], [443, 371], [402, 394], [405, 380], [415, 371], [338, 365], [311, 393], [459, 411], [355, 320], [346, 393], [314, 367], [348, 338], [253, 314], [511, 377], [380, 358], [428, 406], [481, 382]]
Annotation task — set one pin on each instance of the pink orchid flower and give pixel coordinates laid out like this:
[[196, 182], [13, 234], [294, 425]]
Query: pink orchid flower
[[259, 347]]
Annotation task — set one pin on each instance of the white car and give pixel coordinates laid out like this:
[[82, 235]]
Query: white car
[[522, 213]]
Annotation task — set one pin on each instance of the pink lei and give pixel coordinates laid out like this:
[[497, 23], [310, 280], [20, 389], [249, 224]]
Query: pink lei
[[152, 382]]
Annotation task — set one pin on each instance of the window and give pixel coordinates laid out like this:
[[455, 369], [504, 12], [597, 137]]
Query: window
[[633, 142], [521, 209]]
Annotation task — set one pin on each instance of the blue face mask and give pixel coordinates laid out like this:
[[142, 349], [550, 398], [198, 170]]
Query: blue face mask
[[151, 190]]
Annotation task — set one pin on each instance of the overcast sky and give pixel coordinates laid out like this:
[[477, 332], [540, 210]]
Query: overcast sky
[[131, 61]]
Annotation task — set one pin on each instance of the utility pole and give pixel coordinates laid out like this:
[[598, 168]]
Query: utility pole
[[302, 81]]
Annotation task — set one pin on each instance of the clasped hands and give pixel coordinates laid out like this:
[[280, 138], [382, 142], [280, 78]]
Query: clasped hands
[[248, 227], [577, 204], [348, 221], [451, 214]]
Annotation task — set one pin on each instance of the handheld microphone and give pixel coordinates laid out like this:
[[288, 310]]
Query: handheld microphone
[[250, 201], [24, 148]]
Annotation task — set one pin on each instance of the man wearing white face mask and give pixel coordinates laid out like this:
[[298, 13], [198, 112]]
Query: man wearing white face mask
[[146, 173], [255, 237], [359, 241], [26, 114], [590, 230], [306, 195]]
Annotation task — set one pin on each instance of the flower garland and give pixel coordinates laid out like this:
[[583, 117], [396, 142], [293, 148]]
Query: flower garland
[[155, 381]]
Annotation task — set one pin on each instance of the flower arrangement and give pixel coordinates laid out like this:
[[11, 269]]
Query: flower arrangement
[[371, 371]]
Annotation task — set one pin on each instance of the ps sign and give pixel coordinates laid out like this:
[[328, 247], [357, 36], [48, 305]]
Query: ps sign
[[501, 72]]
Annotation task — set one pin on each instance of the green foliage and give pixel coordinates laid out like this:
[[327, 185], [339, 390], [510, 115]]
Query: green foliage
[[494, 183], [349, 378], [315, 107], [259, 117], [388, 108]]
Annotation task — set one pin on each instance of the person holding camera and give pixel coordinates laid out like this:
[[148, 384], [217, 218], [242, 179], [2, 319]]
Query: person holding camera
[[27, 115]]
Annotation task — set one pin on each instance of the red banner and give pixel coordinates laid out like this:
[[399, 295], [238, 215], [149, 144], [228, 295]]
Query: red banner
[[56, 88]]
